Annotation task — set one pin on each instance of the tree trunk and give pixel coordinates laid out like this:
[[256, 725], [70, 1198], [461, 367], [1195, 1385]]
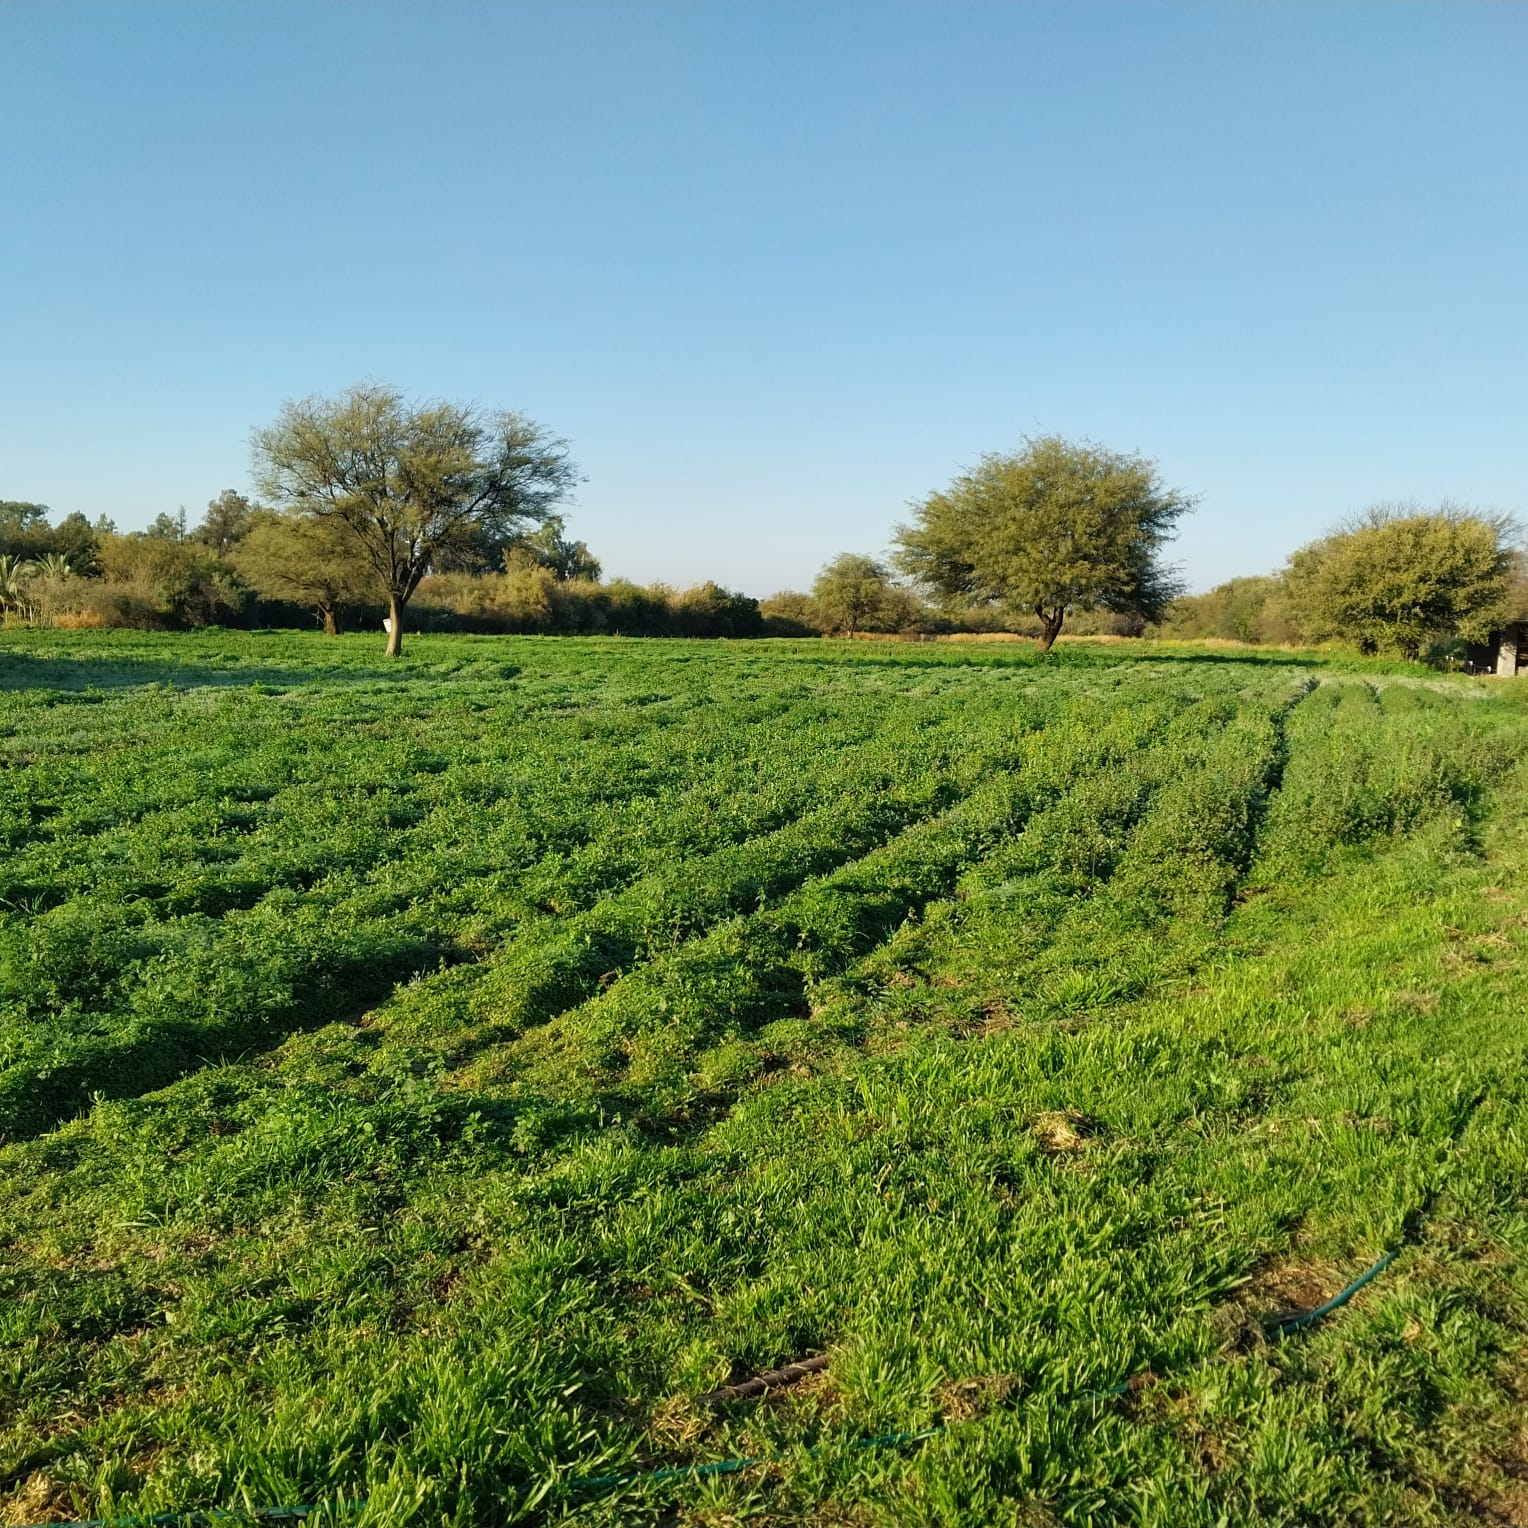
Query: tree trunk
[[394, 626], [331, 626], [1050, 627]]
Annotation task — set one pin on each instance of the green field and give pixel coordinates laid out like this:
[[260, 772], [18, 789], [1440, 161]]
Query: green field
[[422, 1082]]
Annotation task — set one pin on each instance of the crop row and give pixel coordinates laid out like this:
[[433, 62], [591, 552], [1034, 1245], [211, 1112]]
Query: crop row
[[688, 1016], [206, 883]]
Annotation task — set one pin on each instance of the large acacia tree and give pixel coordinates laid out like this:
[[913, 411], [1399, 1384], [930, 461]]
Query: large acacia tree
[[410, 483], [1400, 576], [1053, 527]]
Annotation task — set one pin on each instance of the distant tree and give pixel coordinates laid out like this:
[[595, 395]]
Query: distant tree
[[409, 482], [76, 539], [165, 578], [1249, 609], [791, 614], [304, 559], [634, 611], [708, 610], [24, 530], [1054, 527], [226, 522], [548, 546], [25, 533], [1517, 586], [1398, 576], [167, 527], [852, 593]]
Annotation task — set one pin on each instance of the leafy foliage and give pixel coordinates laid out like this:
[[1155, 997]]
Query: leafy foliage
[[549, 546], [163, 576], [16, 574], [306, 560], [410, 483], [1400, 577], [26, 536], [1240, 610], [24, 529], [854, 593], [1054, 527], [227, 522]]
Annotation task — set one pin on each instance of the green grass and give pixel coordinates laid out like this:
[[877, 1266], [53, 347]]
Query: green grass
[[423, 1082]]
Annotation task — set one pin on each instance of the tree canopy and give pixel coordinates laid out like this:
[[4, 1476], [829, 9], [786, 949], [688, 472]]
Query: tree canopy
[[1399, 576], [305, 559], [226, 522], [409, 482], [852, 592], [26, 535], [24, 529], [1253, 608], [549, 546], [1054, 527]]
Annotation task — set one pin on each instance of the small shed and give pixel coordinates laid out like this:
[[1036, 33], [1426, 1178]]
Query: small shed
[[1504, 652]]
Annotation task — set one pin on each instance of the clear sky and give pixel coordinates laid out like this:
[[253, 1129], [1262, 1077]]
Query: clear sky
[[774, 268]]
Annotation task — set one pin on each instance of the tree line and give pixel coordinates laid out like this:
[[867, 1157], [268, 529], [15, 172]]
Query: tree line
[[446, 515], [1396, 577], [244, 565], [379, 508], [1062, 533]]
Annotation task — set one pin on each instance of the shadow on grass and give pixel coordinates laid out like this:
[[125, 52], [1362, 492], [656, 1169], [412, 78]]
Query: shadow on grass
[[75, 676], [183, 661], [1073, 656], [158, 1051], [1262, 660]]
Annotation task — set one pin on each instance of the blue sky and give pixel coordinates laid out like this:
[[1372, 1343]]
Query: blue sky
[[776, 269]]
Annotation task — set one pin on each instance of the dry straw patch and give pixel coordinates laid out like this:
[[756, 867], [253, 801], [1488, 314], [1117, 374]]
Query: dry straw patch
[[1512, 1496], [1061, 1132], [678, 1424], [1277, 1292], [39, 1499], [962, 1400]]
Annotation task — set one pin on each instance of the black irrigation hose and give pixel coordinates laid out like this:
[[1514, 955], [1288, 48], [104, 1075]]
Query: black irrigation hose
[[199, 1517], [760, 1383]]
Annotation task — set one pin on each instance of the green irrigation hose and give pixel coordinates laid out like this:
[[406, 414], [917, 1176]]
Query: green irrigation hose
[[1311, 1317], [732, 1466], [196, 1518]]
